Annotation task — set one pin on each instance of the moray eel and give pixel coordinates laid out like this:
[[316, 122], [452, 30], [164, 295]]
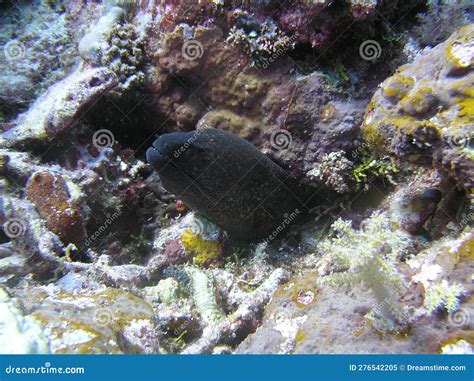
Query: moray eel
[[229, 181]]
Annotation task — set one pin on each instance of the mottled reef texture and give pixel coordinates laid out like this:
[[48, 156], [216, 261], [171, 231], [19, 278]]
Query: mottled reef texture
[[370, 100]]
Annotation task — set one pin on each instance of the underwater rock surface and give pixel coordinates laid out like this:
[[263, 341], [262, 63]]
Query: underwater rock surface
[[424, 113], [100, 253]]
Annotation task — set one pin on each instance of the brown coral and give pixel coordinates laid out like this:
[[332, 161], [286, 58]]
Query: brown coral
[[48, 192]]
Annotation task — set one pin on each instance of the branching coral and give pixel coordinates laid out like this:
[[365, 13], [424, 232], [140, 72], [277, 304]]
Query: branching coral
[[334, 170], [443, 294], [115, 45], [370, 256], [442, 18], [124, 54], [218, 327], [263, 42]]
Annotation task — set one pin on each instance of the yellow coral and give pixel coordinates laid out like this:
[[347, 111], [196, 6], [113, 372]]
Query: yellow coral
[[459, 51], [203, 252], [418, 101], [398, 86]]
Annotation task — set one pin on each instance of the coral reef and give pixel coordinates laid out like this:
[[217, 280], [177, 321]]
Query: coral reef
[[116, 46], [423, 113], [49, 193], [19, 334], [110, 321], [60, 106], [96, 256], [306, 315], [371, 167], [262, 41], [370, 256], [38, 52], [442, 18], [332, 170]]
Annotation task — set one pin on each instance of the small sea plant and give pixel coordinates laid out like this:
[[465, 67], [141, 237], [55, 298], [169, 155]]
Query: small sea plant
[[371, 167], [443, 295], [370, 256], [441, 19]]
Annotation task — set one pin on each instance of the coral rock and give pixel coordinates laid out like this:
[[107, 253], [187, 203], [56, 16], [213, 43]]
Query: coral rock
[[60, 106], [424, 113], [49, 193]]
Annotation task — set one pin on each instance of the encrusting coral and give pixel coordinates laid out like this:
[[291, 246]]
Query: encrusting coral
[[96, 249], [424, 112]]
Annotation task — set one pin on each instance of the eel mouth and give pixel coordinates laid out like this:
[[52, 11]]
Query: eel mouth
[[163, 150], [156, 158]]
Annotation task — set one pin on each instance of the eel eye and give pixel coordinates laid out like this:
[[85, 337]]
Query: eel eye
[[193, 154]]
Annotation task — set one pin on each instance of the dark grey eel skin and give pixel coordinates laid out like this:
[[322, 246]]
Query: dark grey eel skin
[[230, 182]]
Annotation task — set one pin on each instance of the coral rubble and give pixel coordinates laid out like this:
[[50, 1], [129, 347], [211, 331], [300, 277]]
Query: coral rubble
[[96, 256]]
